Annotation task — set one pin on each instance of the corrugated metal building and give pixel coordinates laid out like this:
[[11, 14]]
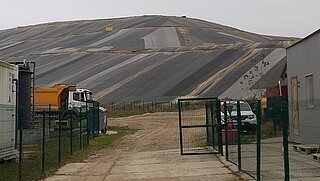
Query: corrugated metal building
[[8, 72], [303, 68]]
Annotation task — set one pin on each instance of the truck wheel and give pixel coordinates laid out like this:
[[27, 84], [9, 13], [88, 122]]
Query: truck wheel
[[104, 130], [74, 116]]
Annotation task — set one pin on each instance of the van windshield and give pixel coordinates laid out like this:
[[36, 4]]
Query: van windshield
[[243, 107], [89, 95]]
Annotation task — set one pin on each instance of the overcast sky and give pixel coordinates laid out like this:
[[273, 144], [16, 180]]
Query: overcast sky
[[296, 18]]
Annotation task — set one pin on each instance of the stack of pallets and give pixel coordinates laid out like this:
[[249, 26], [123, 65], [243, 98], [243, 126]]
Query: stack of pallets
[[308, 149]]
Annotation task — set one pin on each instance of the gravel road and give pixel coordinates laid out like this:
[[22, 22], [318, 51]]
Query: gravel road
[[152, 153]]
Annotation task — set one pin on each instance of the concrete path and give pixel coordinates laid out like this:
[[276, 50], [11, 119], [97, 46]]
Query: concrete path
[[152, 165], [150, 154]]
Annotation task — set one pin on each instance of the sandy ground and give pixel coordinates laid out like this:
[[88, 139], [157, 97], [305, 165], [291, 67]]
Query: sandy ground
[[152, 153]]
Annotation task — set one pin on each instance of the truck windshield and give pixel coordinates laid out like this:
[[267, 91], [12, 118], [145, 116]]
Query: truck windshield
[[89, 95], [76, 96], [243, 107]]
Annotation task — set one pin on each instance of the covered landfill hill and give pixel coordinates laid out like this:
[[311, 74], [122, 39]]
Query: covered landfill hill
[[146, 58]]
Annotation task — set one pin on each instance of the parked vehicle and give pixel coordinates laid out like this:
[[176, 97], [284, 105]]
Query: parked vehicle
[[67, 97], [249, 119], [62, 97]]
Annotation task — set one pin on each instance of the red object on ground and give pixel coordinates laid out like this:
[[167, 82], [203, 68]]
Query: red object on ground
[[232, 136], [230, 125]]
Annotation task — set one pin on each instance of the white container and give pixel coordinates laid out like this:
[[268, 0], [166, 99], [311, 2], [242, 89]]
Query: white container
[[103, 119], [8, 73]]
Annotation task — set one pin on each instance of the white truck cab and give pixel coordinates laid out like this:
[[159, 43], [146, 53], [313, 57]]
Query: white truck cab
[[77, 100], [78, 97]]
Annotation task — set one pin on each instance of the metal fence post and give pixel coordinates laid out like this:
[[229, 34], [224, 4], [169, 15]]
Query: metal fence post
[[212, 128], [71, 126], [134, 105], [180, 125], [59, 144], [87, 124], [226, 129], [80, 132], [218, 106], [143, 106], [239, 122], [207, 123], [87, 115], [284, 109], [49, 119], [93, 121], [20, 143], [258, 140], [98, 117], [43, 140]]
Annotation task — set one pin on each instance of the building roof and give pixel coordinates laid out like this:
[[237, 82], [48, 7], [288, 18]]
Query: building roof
[[307, 37]]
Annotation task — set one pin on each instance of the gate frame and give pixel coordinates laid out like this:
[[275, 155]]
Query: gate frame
[[217, 125]]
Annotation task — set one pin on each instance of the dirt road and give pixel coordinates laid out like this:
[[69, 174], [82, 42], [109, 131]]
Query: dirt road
[[150, 154]]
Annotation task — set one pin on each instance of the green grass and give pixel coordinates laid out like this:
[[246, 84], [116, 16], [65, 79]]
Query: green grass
[[31, 165]]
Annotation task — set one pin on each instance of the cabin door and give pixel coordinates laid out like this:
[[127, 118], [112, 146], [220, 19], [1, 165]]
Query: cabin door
[[294, 105]]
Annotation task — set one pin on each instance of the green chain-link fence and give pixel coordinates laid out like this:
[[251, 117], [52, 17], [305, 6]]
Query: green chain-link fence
[[55, 136], [200, 124], [267, 152], [121, 109], [304, 140]]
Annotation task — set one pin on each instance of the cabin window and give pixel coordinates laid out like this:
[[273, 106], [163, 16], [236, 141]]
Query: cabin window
[[310, 90], [76, 96], [89, 95], [82, 97]]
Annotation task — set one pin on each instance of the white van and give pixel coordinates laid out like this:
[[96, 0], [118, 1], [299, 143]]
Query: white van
[[249, 119]]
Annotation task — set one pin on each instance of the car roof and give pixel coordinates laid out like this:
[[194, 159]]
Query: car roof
[[233, 102]]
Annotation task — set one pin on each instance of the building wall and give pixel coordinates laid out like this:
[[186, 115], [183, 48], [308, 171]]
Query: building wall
[[7, 110], [303, 59]]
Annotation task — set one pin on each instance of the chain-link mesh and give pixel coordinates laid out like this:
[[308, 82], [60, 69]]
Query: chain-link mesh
[[134, 107], [198, 126], [55, 135], [273, 151], [304, 145]]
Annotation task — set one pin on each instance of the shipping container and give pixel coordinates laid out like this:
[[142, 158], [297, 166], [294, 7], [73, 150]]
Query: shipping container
[[8, 75]]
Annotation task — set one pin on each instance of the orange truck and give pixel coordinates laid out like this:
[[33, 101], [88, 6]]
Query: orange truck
[[61, 97], [66, 97]]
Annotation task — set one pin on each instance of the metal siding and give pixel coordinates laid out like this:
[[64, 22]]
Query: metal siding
[[303, 59], [7, 110]]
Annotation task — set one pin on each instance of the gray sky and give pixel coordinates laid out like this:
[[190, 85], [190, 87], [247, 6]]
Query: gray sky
[[273, 17]]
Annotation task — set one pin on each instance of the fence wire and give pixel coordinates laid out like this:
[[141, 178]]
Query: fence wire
[[276, 152], [304, 145], [198, 126], [54, 137], [121, 109]]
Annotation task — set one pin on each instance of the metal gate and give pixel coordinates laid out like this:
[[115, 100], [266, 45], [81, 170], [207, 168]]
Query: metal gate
[[200, 126]]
